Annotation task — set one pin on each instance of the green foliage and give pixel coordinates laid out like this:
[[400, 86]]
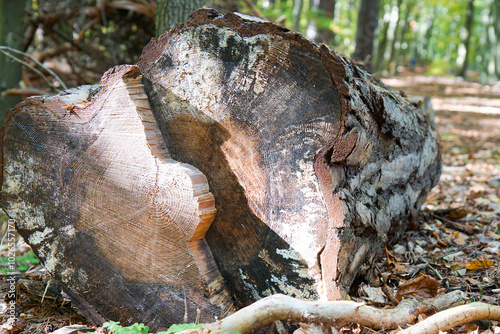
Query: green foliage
[[427, 31], [115, 328], [279, 10], [27, 260], [23, 262], [181, 327], [438, 67]]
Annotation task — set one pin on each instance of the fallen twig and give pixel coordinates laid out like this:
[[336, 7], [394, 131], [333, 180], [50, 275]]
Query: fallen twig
[[281, 307], [453, 317], [23, 92], [9, 52], [254, 9], [456, 225]]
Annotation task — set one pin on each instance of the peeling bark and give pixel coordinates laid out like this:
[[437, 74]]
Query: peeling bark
[[312, 165]]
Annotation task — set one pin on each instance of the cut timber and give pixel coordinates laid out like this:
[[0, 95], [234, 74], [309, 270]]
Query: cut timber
[[95, 193], [293, 137], [313, 166]]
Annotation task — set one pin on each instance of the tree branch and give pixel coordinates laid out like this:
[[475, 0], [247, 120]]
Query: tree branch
[[453, 317], [8, 52], [335, 313]]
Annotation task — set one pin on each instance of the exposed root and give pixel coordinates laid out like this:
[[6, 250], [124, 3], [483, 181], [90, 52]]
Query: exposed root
[[336, 313]]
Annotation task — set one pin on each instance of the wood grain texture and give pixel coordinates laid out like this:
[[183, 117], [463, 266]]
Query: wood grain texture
[[296, 141], [256, 110], [93, 190]]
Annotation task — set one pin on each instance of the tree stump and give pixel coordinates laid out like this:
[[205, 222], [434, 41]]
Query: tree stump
[[235, 161]]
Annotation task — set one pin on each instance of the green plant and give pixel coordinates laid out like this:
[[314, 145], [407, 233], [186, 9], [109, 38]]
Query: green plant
[[438, 67], [23, 262], [115, 328], [181, 327]]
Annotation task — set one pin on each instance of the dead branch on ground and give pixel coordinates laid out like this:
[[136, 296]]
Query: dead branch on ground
[[338, 313]]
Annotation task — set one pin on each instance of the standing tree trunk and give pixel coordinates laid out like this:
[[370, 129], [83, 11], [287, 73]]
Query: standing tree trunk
[[365, 33], [296, 13], [465, 35], [495, 38], [171, 13], [317, 30], [487, 40], [396, 13], [11, 34], [404, 28], [235, 161], [382, 44], [430, 27]]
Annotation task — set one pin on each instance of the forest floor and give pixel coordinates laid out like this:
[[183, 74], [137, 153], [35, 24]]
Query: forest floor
[[453, 245]]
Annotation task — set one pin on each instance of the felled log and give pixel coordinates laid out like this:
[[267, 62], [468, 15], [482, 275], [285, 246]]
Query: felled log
[[235, 161]]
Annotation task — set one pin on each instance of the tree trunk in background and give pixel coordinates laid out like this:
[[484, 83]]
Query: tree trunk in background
[[365, 33], [351, 7], [296, 13], [404, 24], [171, 13], [487, 41], [465, 35], [395, 34], [235, 161], [11, 34], [426, 43], [326, 9], [382, 44], [495, 37], [225, 6]]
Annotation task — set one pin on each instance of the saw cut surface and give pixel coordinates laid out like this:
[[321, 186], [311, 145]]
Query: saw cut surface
[[95, 183]]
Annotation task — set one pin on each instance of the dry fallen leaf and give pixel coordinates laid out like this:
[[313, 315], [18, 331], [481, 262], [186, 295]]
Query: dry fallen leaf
[[468, 328], [457, 213], [422, 286], [372, 294], [481, 264]]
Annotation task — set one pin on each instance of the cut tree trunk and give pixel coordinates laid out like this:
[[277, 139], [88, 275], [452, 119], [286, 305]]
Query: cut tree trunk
[[304, 165]]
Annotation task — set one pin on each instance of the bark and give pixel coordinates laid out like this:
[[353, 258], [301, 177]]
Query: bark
[[465, 35], [382, 45], [225, 5], [495, 36], [11, 35], [312, 164], [296, 13], [365, 33], [395, 32], [171, 13], [404, 28]]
